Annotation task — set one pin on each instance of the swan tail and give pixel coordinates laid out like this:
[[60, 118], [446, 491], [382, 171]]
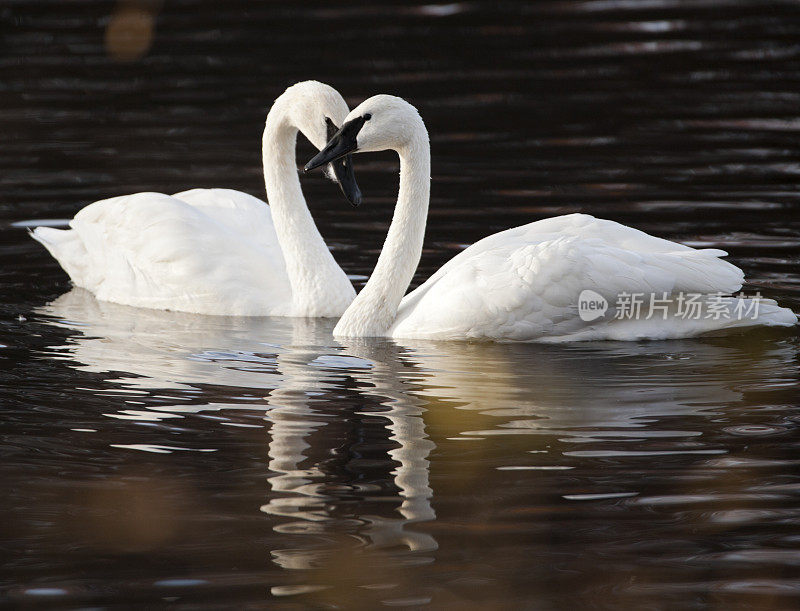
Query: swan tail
[[67, 248], [773, 315], [717, 316], [741, 313], [720, 315]]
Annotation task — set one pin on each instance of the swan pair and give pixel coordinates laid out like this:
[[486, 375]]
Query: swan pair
[[223, 252]]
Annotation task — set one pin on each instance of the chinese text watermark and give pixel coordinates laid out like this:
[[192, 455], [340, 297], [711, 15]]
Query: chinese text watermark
[[686, 306]]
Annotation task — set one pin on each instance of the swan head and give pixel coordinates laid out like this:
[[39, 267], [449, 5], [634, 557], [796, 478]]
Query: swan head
[[317, 110], [378, 123]]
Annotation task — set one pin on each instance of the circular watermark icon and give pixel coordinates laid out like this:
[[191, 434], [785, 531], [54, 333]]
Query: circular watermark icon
[[591, 305]]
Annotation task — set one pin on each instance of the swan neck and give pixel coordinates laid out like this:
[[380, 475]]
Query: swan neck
[[374, 310], [317, 281]]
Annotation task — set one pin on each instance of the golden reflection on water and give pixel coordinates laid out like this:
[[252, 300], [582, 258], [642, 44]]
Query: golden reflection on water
[[131, 29], [133, 512]]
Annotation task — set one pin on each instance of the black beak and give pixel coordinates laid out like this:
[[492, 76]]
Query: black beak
[[343, 169], [340, 144]]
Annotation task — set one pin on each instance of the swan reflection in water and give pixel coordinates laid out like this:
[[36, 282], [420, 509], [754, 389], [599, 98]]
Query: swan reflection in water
[[355, 424], [375, 368], [295, 363]]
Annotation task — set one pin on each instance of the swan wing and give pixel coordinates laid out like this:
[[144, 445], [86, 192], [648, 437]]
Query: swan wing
[[245, 215], [154, 250], [524, 283]]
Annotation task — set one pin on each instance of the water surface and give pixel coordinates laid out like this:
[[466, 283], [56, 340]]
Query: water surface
[[152, 458]]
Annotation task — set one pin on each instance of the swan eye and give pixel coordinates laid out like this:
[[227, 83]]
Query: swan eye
[[367, 116]]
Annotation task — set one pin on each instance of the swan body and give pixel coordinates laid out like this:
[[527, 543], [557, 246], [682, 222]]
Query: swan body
[[524, 284], [217, 251]]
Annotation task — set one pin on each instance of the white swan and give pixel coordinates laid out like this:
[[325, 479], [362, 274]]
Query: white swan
[[524, 284], [219, 251]]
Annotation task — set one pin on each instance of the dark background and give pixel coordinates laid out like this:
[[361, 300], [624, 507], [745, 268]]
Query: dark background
[[681, 118]]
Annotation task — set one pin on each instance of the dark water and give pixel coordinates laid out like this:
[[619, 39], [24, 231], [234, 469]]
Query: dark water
[[151, 458]]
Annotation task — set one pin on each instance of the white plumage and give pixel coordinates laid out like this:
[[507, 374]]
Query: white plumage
[[524, 284], [207, 251], [216, 251]]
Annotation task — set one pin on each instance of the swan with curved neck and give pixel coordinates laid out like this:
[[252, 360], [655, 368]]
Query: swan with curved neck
[[220, 251], [526, 283]]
